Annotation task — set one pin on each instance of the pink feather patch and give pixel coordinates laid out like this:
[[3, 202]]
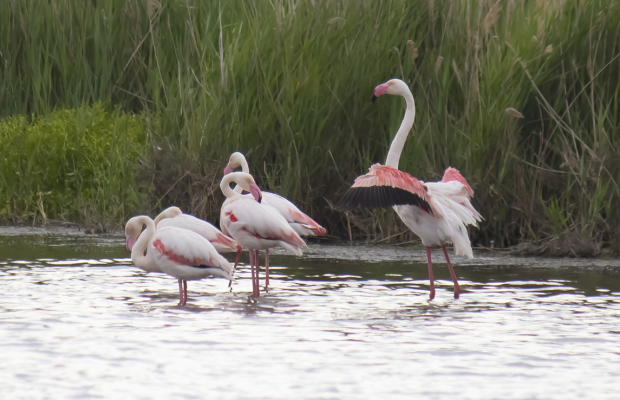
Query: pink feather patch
[[453, 174], [176, 258], [309, 223], [381, 175]]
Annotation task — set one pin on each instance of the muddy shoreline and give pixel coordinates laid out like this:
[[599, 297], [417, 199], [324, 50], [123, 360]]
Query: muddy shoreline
[[357, 251]]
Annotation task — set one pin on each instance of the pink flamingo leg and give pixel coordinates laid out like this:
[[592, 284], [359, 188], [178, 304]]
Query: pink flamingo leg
[[430, 273], [457, 287], [252, 269], [239, 250], [180, 292], [256, 283], [184, 292], [266, 268]]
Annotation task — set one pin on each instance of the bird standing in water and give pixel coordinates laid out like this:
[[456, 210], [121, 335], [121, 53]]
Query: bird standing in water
[[438, 212], [254, 225], [300, 222], [174, 251]]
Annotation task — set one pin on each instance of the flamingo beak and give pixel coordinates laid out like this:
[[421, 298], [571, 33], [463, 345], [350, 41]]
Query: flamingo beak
[[255, 190], [129, 242], [379, 90], [227, 170]]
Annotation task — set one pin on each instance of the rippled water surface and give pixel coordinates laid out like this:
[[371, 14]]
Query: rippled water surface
[[77, 320]]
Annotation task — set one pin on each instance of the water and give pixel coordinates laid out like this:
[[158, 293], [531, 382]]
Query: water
[[77, 320]]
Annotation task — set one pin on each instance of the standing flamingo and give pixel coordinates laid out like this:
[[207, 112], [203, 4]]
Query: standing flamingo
[[255, 225], [300, 222], [178, 252], [438, 212], [173, 216]]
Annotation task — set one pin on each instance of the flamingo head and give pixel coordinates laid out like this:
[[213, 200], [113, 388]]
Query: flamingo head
[[236, 160], [255, 190], [393, 86], [129, 243], [247, 183], [132, 230]]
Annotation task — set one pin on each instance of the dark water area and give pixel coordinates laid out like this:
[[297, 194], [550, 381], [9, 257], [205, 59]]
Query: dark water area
[[78, 320]]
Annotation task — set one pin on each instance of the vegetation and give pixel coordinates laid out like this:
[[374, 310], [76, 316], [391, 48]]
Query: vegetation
[[289, 82], [71, 164]]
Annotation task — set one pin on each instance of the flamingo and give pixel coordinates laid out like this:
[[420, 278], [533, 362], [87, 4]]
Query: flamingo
[[178, 252], [173, 216], [300, 222], [255, 225], [438, 212]]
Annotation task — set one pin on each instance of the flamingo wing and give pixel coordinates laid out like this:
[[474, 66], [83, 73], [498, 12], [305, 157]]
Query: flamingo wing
[[453, 174], [300, 222], [221, 242], [187, 248], [259, 220], [383, 187]]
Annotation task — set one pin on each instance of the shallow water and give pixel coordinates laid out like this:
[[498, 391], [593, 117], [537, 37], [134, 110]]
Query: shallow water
[[77, 320]]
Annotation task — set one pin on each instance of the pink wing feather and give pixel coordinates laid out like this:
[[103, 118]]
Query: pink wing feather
[[385, 186], [293, 215], [453, 174]]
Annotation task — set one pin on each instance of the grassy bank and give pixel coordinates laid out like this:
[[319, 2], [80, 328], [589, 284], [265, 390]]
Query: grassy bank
[[289, 84], [76, 165]]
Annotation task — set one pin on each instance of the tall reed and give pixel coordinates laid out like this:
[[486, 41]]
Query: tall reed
[[289, 83]]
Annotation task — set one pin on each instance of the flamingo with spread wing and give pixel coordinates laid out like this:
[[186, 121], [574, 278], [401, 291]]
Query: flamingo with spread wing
[[438, 212]]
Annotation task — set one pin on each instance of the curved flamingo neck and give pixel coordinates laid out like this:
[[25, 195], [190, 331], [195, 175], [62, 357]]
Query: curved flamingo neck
[[161, 216], [225, 185], [137, 252], [246, 169], [401, 136], [167, 213]]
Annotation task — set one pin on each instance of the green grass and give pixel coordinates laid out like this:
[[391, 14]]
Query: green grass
[[71, 164], [289, 84]]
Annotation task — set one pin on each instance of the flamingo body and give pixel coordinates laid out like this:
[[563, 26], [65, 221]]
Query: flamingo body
[[177, 252], [186, 255], [221, 242], [300, 222], [258, 226], [173, 216], [255, 225]]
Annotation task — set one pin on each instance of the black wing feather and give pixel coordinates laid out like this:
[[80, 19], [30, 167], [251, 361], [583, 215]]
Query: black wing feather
[[206, 267], [380, 197]]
